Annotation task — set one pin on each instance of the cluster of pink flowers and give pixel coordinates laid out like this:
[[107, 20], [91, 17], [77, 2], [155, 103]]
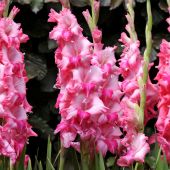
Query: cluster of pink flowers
[[89, 89], [90, 93], [163, 77], [94, 104], [131, 68], [14, 129]]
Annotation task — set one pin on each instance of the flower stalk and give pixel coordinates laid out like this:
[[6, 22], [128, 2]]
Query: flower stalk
[[14, 105], [147, 53], [94, 14], [92, 18], [62, 158], [84, 156]]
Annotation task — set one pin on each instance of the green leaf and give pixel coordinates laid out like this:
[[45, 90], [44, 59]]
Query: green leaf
[[20, 163], [4, 162], [73, 160], [152, 156], [40, 166], [140, 166], [1, 164], [29, 165], [48, 158], [155, 160], [36, 164], [50, 166], [162, 163], [99, 162], [96, 162]]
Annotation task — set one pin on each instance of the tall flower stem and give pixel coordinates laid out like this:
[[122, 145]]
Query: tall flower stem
[[86, 163], [147, 54], [136, 166], [143, 80], [85, 156], [65, 4], [62, 158], [93, 14]]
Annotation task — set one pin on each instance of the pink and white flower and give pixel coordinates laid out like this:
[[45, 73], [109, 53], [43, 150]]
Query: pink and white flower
[[163, 122], [136, 148], [14, 129], [89, 90]]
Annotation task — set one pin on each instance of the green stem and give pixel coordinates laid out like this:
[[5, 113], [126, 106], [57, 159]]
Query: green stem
[[147, 54], [93, 15], [85, 156], [158, 156], [93, 12], [76, 161], [57, 157], [136, 166], [62, 158]]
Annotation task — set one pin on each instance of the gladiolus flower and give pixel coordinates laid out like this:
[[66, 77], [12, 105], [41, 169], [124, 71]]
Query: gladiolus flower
[[89, 90], [14, 129]]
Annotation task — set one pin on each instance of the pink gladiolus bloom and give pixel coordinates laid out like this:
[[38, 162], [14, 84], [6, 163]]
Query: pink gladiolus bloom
[[14, 130], [130, 62], [67, 26], [89, 90], [97, 35], [87, 16], [136, 148], [131, 69], [13, 12], [93, 103], [163, 122]]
